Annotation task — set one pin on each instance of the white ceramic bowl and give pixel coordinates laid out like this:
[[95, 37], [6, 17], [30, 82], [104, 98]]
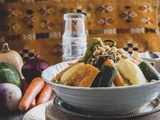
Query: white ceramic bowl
[[108, 100]]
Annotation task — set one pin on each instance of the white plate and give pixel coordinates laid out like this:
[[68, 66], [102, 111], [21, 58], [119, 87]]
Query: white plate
[[148, 108], [37, 113]]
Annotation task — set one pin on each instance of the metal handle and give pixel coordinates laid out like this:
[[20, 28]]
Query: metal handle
[[110, 41]]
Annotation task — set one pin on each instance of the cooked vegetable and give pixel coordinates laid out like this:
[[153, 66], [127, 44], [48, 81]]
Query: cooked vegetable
[[70, 72], [94, 44], [118, 81], [102, 58], [12, 57], [45, 94], [59, 75], [106, 76], [131, 71], [149, 71], [33, 68], [117, 67], [10, 96], [34, 88], [96, 81], [9, 74], [84, 76]]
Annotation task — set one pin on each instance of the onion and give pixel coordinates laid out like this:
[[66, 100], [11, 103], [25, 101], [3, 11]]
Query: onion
[[33, 68]]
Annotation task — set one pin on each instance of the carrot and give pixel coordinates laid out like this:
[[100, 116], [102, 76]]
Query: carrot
[[136, 56], [33, 103], [24, 88], [34, 88], [118, 81], [45, 94]]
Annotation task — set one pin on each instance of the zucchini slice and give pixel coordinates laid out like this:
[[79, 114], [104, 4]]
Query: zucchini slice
[[149, 71], [105, 78]]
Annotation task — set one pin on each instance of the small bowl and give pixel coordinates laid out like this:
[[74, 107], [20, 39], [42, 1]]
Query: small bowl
[[103, 100]]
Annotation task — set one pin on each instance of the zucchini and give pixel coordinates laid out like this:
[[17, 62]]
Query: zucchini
[[149, 71], [108, 76], [96, 81], [105, 78]]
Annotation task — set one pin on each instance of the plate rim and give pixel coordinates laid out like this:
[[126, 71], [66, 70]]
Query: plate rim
[[85, 115]]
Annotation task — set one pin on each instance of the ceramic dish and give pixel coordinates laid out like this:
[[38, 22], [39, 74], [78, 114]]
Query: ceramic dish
[[110, 100]]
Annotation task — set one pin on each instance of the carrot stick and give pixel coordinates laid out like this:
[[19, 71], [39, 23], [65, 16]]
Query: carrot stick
[[24, 88], [45, 94], [118, 81], [34, 88], [33, 103]]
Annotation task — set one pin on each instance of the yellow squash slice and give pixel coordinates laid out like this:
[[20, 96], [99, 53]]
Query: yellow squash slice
[[70, 72]]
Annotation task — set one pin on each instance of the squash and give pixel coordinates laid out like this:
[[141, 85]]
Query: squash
[[84, 76], [10, 74], [70, 72], [12, 57]]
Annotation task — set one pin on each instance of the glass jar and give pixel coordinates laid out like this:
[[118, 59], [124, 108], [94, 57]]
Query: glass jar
[[74, 36]]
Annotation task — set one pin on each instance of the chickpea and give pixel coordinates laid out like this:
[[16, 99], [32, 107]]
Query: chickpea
[[107, 48], [118, 57], [120, 50], [103, 53], [124, 56], [102, 49], [114, 49], [96, 53]]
